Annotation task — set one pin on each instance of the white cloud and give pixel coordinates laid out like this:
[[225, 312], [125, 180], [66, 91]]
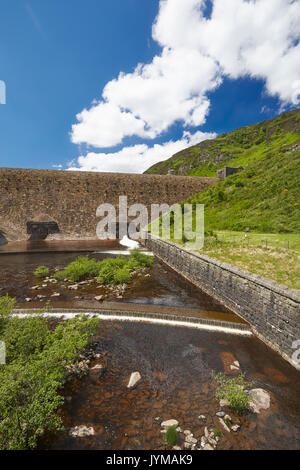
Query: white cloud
[[257, 38], [138, 158]]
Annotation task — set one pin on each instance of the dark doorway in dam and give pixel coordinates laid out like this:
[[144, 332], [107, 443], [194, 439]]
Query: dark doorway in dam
[[3, 239], [41, 230]]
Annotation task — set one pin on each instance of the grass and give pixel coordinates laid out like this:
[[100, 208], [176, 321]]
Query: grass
[[109, 271], [279, 264], [240, 147], [41, 271], [233, 391], [171, 436]]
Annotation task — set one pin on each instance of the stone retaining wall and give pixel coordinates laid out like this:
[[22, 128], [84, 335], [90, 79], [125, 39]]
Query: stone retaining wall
[[272, 310]]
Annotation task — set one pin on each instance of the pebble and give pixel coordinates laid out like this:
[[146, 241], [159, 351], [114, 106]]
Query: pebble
[[224, 425], [220, 414], [82, 431], [190, 439], [202, 417], [134, 379], [208, 447], [235, 428]]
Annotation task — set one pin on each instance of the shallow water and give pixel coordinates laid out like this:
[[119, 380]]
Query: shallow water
[[163, 288], [176, 364]]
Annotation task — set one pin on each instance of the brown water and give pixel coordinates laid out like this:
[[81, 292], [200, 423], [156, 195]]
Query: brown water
[[175, 364]]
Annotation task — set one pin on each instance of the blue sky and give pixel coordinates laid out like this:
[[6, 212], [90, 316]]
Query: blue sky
[[57, 56]]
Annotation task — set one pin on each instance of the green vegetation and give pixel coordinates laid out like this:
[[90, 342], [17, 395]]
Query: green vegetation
[[36, 369], [109, 271], [237, 148], [41, 271], [171, 436], [265, 197], [276, 257], [217, 433], [233, 391]]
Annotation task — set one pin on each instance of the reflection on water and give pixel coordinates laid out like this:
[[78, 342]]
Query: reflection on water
[[175, 365]]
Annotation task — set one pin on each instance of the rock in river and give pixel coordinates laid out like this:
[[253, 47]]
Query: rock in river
[[82, 431], [170, 422], [260, 400], [134, 379]]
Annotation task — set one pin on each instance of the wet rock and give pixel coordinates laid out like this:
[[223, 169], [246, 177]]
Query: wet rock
[[235, 428], [82, 431], [212, 441], [179, 429], [176, 448], [202, 417], [187, 432], [40, 297], [187, 445], [260, 400], [224, 403], [56, 294], [203, 441], [99, 298], [35, 287], [232, 367], [169, 422], [97, 367], [206, 433], [220, 414], [73, 287], [224, 425], [134, 379], [28, 299], [190, 439], [208, 447]]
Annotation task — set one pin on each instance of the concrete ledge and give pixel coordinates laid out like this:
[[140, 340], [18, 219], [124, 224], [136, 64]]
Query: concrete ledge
[[272, 310]]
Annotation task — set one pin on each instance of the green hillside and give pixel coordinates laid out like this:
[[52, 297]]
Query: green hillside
[[265, 197], [240, 147]]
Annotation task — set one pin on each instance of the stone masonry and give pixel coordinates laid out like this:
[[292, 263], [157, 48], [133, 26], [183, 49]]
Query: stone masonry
[[272, 310], [68, 199]]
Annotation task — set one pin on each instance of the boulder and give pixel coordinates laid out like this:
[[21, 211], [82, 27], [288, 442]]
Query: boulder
[[260, 400]]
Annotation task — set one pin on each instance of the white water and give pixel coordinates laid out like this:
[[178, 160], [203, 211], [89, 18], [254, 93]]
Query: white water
[[131, 244], [157, 321]]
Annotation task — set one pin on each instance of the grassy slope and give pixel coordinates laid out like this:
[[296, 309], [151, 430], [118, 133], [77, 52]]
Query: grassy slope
[[237, 148], [265, 197]]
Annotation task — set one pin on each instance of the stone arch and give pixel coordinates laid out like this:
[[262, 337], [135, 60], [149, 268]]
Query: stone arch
[[41, 226]]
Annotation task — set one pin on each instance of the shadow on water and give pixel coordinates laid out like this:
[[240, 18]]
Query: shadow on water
[[3, 239]]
